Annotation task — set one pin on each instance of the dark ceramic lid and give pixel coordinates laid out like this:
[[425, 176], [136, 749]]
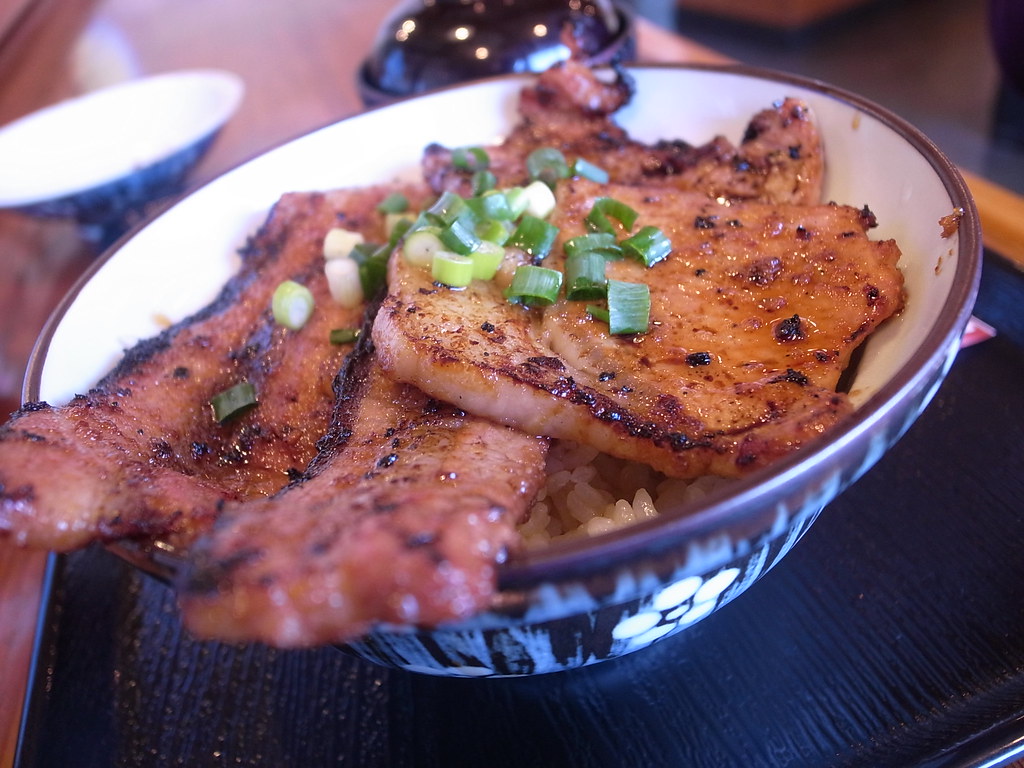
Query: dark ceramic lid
[[425, 44]]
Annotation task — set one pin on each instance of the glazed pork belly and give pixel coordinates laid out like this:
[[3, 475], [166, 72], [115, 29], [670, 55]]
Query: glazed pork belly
[[403, 518], [570, 108], [140, 455], [754, 315]]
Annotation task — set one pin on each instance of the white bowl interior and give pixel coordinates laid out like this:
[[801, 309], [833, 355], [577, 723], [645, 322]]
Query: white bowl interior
[[104, 135], [177, 263]]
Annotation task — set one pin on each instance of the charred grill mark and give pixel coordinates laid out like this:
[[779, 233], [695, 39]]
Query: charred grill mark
[[764, 271], [548, 362], [161, 449], [789, 329], [792, 376], [868, 220]]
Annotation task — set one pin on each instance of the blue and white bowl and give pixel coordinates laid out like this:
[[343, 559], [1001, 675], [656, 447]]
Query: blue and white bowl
[[583, 601], [97, 157]]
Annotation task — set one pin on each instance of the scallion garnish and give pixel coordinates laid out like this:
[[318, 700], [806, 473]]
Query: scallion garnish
[[587, 170], [344, 335], [517, 201], [607, 208], [421, 245], [372, 259], [534, 236], [584, 276], [446, 208], [396, 202], [492, 204], [338, 242], [597, 312], [629, 307], [459, 238], [471, 159], [493, 231], [649, 245], [603, 243], [534, 286], [344, 282], [540, 199], [547, 164], [233, 401], [292, 304], [487, 260], [483, 181], [452, 269]]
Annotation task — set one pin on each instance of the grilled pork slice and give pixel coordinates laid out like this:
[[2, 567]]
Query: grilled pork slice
[[779, 160], [754, 315], [141, 454], [403, 518]]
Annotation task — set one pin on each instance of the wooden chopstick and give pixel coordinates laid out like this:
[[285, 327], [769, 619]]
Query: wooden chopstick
[[1002, 217]]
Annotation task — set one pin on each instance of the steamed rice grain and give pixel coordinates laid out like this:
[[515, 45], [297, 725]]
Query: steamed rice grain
[[588, 493]]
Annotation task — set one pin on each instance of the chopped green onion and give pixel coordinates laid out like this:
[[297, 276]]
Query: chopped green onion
[[606, 208], [603, 243], [547, 164], [598, 313], [344, 335], [493, 231], [540, 200], [584, 276], [373, 275], [292, 304], [487, 260], [448, 207], [338, 243], [459, 238], [492, 204], [517, 201], [421, 245], [233, 401], [588, 170], [396, 202], [483, 181], [396, 224], [534, 286], [650, 245], [629, 307], [452, 269], [471, 159], [373, 265], [534, 236], [344, 282]]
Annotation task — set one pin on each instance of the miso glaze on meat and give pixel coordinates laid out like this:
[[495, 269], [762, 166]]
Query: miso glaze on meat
[[140, 455], [779, 158], [755, 314], [404, 517]]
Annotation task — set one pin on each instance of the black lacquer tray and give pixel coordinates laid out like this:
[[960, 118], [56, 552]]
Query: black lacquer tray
[[893, 635]]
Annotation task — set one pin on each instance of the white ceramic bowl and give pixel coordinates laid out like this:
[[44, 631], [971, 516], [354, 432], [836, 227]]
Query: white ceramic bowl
[[583, 601], [98, 155]]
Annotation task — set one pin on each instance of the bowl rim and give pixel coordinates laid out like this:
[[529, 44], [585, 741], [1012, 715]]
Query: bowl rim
[[743, 500], [228, 87]]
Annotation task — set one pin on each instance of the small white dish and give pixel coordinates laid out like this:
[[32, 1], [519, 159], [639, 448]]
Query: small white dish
[[99, 155]]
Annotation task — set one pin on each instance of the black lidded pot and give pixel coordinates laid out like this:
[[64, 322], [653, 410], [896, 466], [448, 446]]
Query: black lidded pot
[[427, 44]]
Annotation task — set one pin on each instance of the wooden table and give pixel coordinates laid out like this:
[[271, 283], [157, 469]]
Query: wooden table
[[298, 60]]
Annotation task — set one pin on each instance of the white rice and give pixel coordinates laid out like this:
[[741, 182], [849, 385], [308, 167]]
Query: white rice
[[588, 492]]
